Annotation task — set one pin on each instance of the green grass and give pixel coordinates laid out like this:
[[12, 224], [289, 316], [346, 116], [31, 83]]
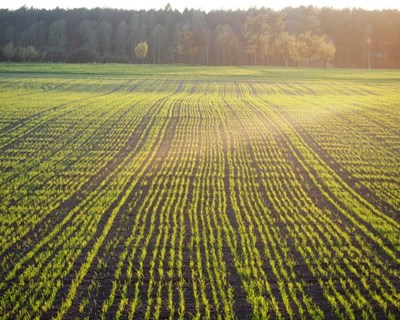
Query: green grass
[[136, 191], [195, 72]]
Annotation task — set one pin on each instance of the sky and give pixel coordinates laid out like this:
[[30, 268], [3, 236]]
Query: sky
[[203, 5]]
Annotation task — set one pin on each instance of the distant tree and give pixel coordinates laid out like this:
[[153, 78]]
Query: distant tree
[[27, 54], [58, 35], [327, 52], [285, 47], [168, 7], [349, 30], [185, 42], [104, 30], [122, 32], [223, 42], [31, 53], [41, 34], [207, 36], [275, 27], [308, 47], [302, 19], [198, 42], [262, 31], [312, 47], [193, 39], [9, 51], [141, 50], [255, 35], [158, 42], [10, 34], [88, 31], [134, 33], [300, 52], [21, 54], [32, 34], [368, 36]]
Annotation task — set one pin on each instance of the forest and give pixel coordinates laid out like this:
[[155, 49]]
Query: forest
[[303, 36]]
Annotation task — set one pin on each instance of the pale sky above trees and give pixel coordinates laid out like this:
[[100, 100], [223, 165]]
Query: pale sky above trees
[[203, 5]]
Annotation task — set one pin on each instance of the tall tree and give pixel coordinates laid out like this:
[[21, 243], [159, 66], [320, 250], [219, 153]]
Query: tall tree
[[122, 32], [158, 43], [9, 51], [32, 34], [275, 27], [311, 48], [88, 31], [134, 33], [327, 52], [285, 48], [104, 31], [255, 35], [31, 53], [308, 47], [21, 54], [10, 34], [58, 35], [186, 44], [261, 33], [302, 19], [223, 42]]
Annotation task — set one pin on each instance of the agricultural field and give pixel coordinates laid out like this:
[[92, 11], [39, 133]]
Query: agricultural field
[[177, 192]]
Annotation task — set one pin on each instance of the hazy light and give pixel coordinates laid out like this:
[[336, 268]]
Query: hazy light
[[203, 5]]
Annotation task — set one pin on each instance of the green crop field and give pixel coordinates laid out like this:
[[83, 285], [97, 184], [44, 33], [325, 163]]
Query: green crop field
[[138, 192]]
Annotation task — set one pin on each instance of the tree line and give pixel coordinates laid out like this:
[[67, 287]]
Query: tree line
[[303, 36]]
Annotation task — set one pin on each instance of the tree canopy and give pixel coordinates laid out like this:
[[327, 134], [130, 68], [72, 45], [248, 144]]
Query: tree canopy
[[303, 36]]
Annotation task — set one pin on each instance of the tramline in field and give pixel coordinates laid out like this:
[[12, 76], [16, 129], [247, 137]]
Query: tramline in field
[[191, 192]]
